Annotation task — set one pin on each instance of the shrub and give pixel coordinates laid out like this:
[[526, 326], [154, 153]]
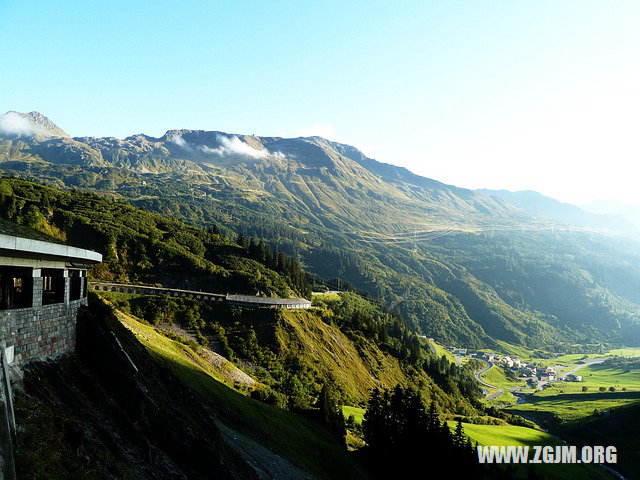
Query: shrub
[[266, 394]]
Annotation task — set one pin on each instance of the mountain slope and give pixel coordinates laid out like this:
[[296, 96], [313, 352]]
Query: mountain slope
[[538, 204], [379, 227], [94, 416], [29, 124]]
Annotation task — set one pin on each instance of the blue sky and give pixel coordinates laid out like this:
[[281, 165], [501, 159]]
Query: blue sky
[[515, 94]]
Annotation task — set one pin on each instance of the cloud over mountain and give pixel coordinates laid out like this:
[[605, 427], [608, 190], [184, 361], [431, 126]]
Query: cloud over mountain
[[29, 124], [227, 146]]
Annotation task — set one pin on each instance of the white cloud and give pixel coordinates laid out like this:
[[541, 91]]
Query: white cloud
[[234, 146], [229, 146], [15, 124], [178, 140]]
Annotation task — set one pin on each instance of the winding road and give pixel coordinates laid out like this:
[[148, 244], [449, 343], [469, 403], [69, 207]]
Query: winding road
[[587, 362], [478, 374]]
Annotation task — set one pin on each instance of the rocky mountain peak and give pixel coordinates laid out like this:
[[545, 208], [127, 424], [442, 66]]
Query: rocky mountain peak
[[30, 124]]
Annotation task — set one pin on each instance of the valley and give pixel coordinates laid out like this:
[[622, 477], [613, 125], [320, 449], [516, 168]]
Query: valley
[[394, 268], [607, 388]]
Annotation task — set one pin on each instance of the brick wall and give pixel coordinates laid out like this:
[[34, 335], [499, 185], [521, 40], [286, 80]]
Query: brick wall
[[41, 331], [7, 471]]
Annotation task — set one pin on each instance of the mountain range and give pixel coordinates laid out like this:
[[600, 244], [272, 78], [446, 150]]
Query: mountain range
[[478, 268]]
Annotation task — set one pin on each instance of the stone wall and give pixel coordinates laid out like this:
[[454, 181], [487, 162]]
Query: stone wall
[[40, 332], [7, 471]]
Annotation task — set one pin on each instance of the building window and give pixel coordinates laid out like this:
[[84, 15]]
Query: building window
[[76, 285], [52, 286], [16, 288]]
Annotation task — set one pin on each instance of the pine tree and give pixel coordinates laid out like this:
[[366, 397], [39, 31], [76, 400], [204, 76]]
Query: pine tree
[[459, 438], [242, 240], [331, 412], [262, 251]]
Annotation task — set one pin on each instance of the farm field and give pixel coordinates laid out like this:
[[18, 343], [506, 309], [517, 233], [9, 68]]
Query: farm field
[[602, 375], [570, 360], [625, 352], [551, 407]]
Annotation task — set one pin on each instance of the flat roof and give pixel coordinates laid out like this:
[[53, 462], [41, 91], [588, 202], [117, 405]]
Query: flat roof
[[38, 247]]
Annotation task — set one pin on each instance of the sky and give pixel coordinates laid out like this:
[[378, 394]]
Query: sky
[[540, 95]]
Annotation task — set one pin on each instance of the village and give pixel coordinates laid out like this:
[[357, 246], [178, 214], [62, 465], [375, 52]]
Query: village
[[536, 376]]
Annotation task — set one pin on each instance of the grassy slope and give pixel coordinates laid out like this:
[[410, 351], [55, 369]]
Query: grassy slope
[[513, 435], [358, 413], [496, 376], [356, 370], [620, 428], [554, 409], [442, 350], [625, 352], [607, 376], [288, 434], [357, 364]]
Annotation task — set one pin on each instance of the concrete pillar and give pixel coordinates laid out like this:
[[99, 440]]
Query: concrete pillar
[[37, 288], [67, 286]]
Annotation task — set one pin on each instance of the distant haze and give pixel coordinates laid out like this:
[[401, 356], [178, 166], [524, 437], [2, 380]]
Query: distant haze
[[489, 94]]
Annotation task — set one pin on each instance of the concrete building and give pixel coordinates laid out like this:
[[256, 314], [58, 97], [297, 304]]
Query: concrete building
[[42, 285]]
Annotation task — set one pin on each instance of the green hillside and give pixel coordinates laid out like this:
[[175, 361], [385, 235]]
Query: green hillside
[[292, 354], [142, 247], [262, 371], [105, 417]]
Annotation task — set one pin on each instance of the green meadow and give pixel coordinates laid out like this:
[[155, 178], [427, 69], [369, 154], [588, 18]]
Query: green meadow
[[552, 407], [496, 376], [358, 413], [506, 435], [442, 350], [625, 352]]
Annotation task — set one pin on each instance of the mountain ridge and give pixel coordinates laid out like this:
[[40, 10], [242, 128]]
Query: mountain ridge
[[29, 124], [536, 203], [459, 265]]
